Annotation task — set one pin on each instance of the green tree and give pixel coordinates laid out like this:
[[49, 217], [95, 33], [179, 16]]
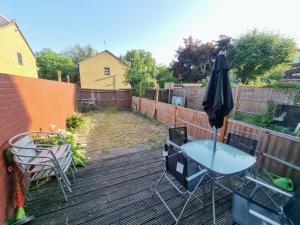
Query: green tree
[[164, 74], [49, 62], [255, 53], [78, 53], [141, 70]]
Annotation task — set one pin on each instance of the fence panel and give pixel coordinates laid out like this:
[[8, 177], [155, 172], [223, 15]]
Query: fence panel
[[254, 100], [251, 100], [148, 107], [165, 113], [197, 123], [106, 98], [135, 104]]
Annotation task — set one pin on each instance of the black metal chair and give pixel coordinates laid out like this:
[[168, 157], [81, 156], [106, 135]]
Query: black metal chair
[[246, 211], [242, 141], [178, 134], [186, 172]]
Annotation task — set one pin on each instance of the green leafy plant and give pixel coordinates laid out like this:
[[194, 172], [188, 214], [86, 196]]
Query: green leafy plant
[[260, 54], [164, 74], [203, 83], [263, 120], [140, 71], [74, 122], [77, 149]]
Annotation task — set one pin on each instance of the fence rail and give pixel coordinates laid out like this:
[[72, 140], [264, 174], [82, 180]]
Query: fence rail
[[106, 98], [277, 152]]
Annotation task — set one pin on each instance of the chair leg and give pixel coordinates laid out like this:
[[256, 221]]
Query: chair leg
[[65, 179], [60, 185], [163, 174], [73, 175], [189, 198], [73, 164], [187, 201], [213, 201]]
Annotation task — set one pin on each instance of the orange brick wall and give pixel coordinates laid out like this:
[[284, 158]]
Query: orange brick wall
[[29, 104]]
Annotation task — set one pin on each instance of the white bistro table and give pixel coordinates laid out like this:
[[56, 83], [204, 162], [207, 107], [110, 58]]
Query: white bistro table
[[225, 161]]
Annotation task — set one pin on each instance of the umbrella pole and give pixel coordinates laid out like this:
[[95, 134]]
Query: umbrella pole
[[216, 138], [214, 148]]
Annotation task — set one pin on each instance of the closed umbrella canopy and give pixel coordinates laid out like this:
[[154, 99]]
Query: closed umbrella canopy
[[218, 100]]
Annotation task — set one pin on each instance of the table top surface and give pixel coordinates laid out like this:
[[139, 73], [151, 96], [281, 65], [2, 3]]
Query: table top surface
[[226, 160]]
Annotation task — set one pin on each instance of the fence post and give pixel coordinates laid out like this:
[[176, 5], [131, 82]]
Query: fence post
[[140, 98], [117, 96], [264, 148], [175, 115], [156, 100], [224, 129], [236, 101]]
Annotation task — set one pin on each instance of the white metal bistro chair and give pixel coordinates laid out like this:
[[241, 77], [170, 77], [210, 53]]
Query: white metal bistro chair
[[184, 170], [37, 161]]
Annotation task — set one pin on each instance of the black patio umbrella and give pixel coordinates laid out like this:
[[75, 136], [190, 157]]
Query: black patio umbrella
[[218, 100]]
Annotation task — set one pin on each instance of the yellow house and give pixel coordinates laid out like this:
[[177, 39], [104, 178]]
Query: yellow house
[[102, 71], [16, 56]]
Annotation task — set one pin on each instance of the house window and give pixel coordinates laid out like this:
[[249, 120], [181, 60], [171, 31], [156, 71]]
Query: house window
[[106, 71], [20, 59]]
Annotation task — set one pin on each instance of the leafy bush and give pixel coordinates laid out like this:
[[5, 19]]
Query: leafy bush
[[263, 120], [256, 54], [74, 122], [140, 71], [164, 74], [77, 149]]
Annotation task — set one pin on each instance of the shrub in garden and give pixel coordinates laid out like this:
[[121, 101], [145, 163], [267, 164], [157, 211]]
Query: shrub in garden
[[77, 149], [74, 122]]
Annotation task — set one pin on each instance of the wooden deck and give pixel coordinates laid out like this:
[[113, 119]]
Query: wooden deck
[[116, 191]]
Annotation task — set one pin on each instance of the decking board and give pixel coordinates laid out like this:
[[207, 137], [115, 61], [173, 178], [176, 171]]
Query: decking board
[[116, 191]]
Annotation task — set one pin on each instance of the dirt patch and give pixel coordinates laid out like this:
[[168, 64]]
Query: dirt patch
[[114, 132]]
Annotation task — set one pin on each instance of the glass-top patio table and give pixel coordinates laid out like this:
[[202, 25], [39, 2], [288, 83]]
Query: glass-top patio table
[[225, 161]]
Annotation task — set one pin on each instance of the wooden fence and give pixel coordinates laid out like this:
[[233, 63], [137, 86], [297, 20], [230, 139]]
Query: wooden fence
[[106, 98], [277, 152], [251, 100]]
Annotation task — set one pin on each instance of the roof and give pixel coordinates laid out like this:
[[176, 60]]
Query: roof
[[6, 24], [105, 51], [4, 20]]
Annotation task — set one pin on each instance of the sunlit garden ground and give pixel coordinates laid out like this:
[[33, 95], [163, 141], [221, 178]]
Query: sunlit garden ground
[[112, 132]]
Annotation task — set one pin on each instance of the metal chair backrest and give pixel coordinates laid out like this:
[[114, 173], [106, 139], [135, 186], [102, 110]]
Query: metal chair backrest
[[178, 135], [23, 148], [292, 209], [180, 166], [242, 142]]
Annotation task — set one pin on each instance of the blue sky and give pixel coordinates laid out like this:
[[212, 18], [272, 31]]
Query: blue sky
[[155, 25]]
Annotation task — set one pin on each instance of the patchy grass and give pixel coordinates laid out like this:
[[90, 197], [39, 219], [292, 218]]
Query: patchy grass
[[104, 131]]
